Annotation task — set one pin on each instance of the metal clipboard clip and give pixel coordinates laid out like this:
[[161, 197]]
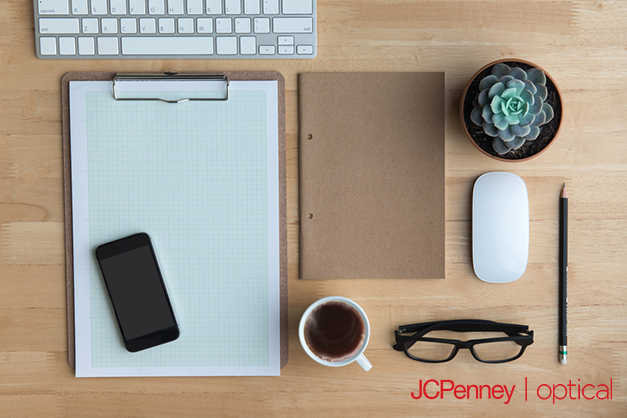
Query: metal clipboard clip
[[171, 75]]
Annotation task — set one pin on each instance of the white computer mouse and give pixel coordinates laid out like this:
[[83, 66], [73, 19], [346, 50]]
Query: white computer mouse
[[500, 227]]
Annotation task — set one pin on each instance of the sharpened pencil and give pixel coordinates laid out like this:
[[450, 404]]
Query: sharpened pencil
[[563, 278]]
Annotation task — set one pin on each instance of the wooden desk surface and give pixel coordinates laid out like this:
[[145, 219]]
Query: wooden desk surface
[[582, 44]]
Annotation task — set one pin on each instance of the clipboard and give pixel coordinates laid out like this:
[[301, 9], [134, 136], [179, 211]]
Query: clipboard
[[67, 185]]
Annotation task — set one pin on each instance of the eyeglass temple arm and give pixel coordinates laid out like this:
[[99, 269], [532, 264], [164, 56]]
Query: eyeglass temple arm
[[464, 325], [399, 347]]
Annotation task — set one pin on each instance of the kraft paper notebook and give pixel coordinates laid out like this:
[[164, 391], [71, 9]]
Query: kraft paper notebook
[[205, 178], [372, 197]]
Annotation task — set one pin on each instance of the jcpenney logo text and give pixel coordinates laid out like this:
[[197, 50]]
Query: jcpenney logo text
[[438, 389]]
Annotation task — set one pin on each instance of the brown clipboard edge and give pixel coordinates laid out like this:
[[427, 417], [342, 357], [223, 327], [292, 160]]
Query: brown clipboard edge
[[67, 197]]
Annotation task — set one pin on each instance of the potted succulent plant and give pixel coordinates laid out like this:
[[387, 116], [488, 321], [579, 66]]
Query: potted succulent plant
[[511, 110]]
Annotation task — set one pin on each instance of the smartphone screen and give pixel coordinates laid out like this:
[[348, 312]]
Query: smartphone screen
[[137, 291]]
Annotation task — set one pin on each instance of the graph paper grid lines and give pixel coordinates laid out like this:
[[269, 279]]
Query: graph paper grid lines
[[194, 176]]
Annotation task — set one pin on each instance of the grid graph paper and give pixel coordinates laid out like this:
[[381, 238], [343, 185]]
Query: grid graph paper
[[201, 178]]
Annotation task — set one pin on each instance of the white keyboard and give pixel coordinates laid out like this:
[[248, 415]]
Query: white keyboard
[[175, 29]]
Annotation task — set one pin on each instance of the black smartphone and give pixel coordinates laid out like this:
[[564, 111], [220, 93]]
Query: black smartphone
[[137, 291]]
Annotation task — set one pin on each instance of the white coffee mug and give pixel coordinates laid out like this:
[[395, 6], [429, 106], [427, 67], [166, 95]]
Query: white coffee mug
[[358, 356]]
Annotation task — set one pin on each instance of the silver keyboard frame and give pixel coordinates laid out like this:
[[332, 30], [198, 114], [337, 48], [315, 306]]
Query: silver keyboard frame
[[262, 39]]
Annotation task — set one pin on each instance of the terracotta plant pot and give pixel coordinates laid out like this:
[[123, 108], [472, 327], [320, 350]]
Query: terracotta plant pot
[[530, 149]]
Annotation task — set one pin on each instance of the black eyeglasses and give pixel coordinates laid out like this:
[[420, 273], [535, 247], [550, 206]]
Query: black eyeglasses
[[492, 342]]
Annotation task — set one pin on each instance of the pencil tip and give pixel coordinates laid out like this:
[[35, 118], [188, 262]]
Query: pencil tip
[[564, 194]]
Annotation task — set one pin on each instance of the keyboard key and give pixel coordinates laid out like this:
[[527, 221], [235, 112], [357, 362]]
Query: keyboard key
[[109, 25], [147, 25], [108, 46], [128, 25], [54, 25], [233, 7], [48, 46], [194, 7], [204, 25], [270, 7], [304, 49], [293, 24], [214, 7], [175, 7], [156, 7], [286, 50], [53, 7], [67, 45], [79, 7], [86, 46], [297, 7], [90, 25], [186, 25], [267, 50], [166, 25], [251, 7], [99, 7], [247, 45], [242, 25], [226, 45], [167, 45], [262, 25], [286, 40], [137, 7], [118, 7], [224, 25]]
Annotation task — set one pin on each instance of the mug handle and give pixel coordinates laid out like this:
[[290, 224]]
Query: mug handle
[[363, 362]]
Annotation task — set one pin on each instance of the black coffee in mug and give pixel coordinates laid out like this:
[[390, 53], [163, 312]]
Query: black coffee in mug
[[334, 331]]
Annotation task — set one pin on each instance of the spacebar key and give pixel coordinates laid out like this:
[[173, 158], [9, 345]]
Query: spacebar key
[[167, 45]]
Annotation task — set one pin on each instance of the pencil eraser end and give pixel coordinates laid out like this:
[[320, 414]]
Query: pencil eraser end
[[563, 359]]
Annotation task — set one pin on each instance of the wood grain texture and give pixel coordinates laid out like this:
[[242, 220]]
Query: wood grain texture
[[582, 45]]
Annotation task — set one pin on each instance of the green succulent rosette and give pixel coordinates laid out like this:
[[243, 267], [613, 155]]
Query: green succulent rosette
[[511, 106]]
